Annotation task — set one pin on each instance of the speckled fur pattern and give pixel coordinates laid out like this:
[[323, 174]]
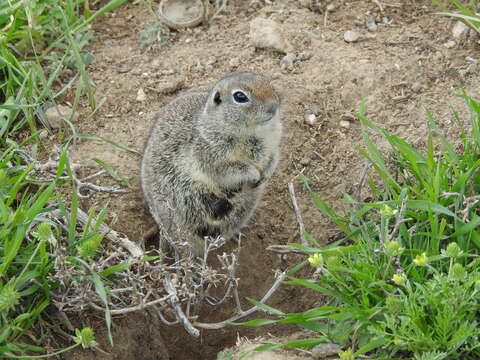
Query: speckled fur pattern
[[208, 157]]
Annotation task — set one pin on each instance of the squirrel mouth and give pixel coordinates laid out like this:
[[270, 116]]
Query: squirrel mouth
[[266, 119], [260, 121]]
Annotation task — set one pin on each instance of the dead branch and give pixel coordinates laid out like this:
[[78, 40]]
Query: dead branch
[[250, 311], [47, 172], [298, 214], [359, 184], [284, 249], [175, 302], [400, 219], [141, 306]]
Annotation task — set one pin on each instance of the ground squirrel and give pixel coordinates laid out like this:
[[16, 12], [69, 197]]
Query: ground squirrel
[[208, 157]]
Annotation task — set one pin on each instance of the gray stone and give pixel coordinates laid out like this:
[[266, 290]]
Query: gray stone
[[56, 116], [141, 96], [287, 61], [169, 87], [313, 109], [267, 34], [351, 36], [322, 351], [310, 119], [331, 7], [450, 44], [123, 69], [460, 31], [304, 55], [372, 26]]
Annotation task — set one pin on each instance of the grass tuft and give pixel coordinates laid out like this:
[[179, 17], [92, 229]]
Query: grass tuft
[[42, 43]]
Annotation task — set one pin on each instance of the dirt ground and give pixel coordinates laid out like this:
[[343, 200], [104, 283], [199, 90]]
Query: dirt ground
[[401, 69]]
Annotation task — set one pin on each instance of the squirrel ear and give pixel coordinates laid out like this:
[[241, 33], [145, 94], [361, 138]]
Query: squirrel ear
[[216, 98]]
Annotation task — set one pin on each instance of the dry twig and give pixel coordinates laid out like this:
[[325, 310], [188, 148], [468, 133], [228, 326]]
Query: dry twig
[[298, 214]]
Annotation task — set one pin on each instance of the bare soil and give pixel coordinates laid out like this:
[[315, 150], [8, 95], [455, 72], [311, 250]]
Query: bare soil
[[400, 70]]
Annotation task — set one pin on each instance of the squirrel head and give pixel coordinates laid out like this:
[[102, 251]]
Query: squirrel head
[[241, 101]]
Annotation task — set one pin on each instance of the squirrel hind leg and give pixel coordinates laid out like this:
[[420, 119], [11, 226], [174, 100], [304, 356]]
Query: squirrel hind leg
[[218, 208]]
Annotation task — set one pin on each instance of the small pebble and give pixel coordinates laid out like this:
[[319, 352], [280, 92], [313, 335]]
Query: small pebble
[[310, 119], [234, 62], [450, 44], [56, 115], [351, 36], [460, 31], [156, 62], [305, 161], [417, 86], [211, 60], [169, 86], [43, 134], [313, 109], [348, 116], [385, 20], [359, 23], [322, 351], [331, 7], [287, 61], [267, 34], [304, 55], [372, 26], [344, 123], [141, 96], [123, 69]]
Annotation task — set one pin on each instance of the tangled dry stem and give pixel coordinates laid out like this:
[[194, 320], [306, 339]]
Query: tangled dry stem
[[176, 288]]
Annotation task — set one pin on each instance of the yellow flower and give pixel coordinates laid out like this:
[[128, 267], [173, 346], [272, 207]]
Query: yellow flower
[[421, 260], [315, 260], [399, 279], [396, 341], [393, 248], [387, 211]]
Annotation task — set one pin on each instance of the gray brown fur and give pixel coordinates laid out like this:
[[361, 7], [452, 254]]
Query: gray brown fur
[[206, 161]]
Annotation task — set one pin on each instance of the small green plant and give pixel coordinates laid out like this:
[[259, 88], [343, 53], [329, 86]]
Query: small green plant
[[154, 36], [468, 12], [39, 42], [27, 241], [404, 280]]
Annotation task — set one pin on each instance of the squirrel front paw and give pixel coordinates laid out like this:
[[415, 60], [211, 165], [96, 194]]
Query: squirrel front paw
[[256, 184]]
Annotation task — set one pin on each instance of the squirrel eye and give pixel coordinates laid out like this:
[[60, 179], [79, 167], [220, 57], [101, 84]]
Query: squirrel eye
[[240, 97]]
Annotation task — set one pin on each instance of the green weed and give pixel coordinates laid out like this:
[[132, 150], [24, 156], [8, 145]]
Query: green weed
[[468, 12], [40, 41], [404, 280]]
